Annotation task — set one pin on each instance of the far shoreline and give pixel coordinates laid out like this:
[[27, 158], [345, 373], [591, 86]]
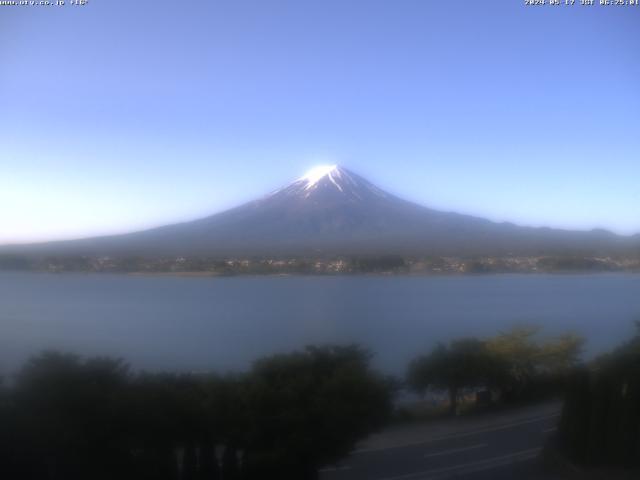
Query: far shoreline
[[197, 274]]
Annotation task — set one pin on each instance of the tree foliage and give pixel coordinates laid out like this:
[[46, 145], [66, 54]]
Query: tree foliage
[[511, 362], [72, 418], [309, 408], [465, 363], [600, 423]]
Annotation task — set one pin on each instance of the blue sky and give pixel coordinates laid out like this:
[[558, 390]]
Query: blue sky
[[121, 115]]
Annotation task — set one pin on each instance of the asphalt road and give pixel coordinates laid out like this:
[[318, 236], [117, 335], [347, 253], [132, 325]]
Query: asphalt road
[[491, 446]]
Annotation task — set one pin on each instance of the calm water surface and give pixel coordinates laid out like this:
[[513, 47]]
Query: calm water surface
[[225, 323]]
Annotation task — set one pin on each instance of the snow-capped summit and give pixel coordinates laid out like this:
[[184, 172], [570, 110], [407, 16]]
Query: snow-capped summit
[[328, 180], [313, 176]]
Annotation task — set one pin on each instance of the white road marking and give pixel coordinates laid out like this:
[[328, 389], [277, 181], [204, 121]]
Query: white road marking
[[487, 464], [458, 435], [549, 430], [455, 450]]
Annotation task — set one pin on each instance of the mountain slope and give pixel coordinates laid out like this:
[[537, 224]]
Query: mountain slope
[[334, 211]]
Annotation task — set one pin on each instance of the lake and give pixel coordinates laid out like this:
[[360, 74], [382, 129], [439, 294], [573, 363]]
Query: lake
[[224, 324]]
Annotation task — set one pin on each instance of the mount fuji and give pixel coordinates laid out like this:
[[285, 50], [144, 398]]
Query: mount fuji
[[333, 211]]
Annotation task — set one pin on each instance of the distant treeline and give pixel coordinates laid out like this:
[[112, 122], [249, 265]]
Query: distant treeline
[[354, 264], [234, 266]]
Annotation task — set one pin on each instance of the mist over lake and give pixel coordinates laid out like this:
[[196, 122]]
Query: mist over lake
[[182, 323]]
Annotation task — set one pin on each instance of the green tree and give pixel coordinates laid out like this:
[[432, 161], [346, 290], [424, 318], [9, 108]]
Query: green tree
[[464, 363], [71, 418], [562, 354], [529, 361], [67, 417], [309, 408], [601, 414], [227, 417], [521, 355], [166, 420]]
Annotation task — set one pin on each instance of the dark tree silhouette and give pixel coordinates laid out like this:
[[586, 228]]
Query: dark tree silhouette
[[309, 408], [600, 423], [464, 363], [68, 418]]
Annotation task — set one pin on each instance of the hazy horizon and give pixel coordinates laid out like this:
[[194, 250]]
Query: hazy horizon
[[311, 175]]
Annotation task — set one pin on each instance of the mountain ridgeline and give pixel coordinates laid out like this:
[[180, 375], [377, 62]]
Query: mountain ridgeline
[[333, 211]]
